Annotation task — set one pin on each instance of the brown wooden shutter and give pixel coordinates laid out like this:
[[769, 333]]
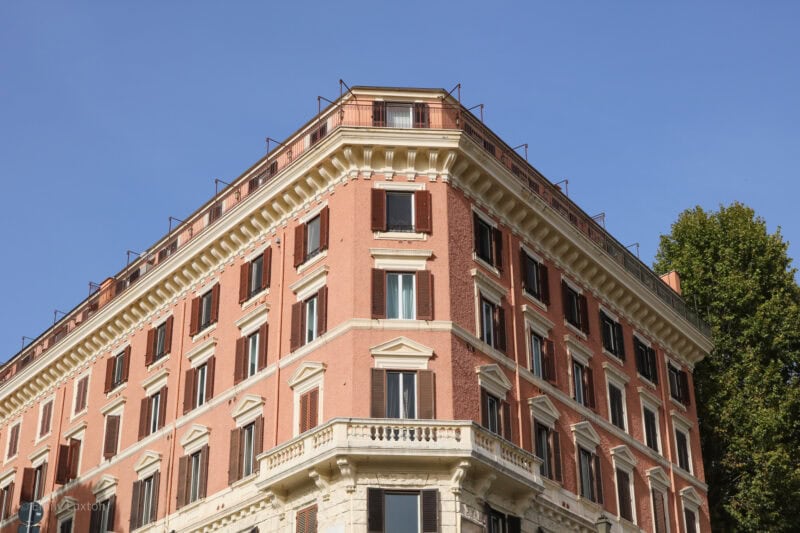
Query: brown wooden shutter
[[523, 267], [190, 390], [112, 510], [379, 120], [210, 365], [302, 522], [84, 392], [620, 341], [183, 478], [215, 303], [303, 413], [112, 436], [484, 408], [144, 418], [47, 412], [296, 337], [263, 336], [26, 488], [266, 268], [378, 210], [659, 513], [74, 457], [544, 284], [9, 499], [423, 222], [584, 316], [556, 444], [62, 464], [126, 363], [14, 438], [155, 500], [150, 348], [109, 374], [500, 328], [506, 420], [476, 234], [598, 479], [549, 361], [235, 457], [168, 334], [683, 383], [565, 300], [513, 524], [424, 295], [378, 400], [588, 380], [497, 240], [313, 408], [378, 293], [430, 511], [426, 395], [322, 310], [374, 510], [623, 490], [651, 362], [240, 360], [244, 282], [203, 481], [136, 504], [324, 228], [299, 245], [194, 319], [162, 407], [258, 437]]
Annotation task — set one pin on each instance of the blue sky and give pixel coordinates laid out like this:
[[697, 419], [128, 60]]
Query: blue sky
[[116, 115]]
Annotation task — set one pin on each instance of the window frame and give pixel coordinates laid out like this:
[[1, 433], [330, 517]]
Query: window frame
[[310, 309], [647, 406], [409, 228], [402, 275], [612, 334]]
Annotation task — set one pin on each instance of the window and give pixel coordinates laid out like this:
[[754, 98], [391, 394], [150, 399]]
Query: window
[[117, 369], [309, 410], [537, 347], [393, 511], [307, 520], [251, 354], [402, 295], [616, 406], [159, 342], [254, 275], [682, 445], [497, 522], [311, 237], [590, 480], [535, 281], [205, 310], [495, 414], [247, 443], [309, 319], [401, 211], [659, 511], [583, 384], [32, 483], [6, 498], [690, 520], [192, 477], [624, 493], [402, 394], [13, 441], [69, 456], [650, 428], [111, 440], [65, 526], [81, 394], [645, 361], [46, 416], [400, 114], [488, 242], [153, 412], [102, 519], [548, 449], [576, 310], [613, 341], [678, 384], [493, 324], [199, 385], [144, 502]]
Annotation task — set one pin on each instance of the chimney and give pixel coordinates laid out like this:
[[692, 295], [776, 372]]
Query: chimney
[[673, 280]]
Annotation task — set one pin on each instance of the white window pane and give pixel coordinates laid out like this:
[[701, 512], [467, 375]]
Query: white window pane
[[392, 296], [408, 296], [312, 243], [398, 115]]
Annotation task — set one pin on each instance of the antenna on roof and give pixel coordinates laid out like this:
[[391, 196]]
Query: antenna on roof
[[477, 105], [23, 340], [522, 146], [217, 181], [566, 186], [55, 315], [450, 93], [636, 244], [170, 224], [600, 216], [129, 252], [93, 287], [343, 84]]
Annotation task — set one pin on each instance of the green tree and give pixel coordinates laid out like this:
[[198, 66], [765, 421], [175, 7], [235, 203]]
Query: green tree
[[740, 280]]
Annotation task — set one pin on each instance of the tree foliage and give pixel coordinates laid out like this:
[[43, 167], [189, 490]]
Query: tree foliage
[[740, 279]]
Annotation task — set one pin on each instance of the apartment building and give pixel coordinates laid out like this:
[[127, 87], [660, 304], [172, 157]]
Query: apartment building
[[391, 322]]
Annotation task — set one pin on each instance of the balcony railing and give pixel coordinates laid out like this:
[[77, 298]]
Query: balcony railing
[[358, 113]]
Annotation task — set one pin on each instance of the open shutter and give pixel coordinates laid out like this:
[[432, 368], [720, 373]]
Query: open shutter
[[506, 421], [144, 417], [244, 282], [651, 361], [423, 222], [109, 374], [604, 333], [235, 462], [183, 477], [322, 310], [266, 268], [240, 360], [96, 517], [74, 457], [136, 504], [544, 284], [203, 481], [549, 361], [683, 383], [378, 401], [430, 511], [424, 295], [112, 511], [513, 524], [659, 513], [623, 489], [190, 392], [556, 444], [168, 334], [566, 301], [476, 234], [378, 210], [126, 363], [9, 499], [324, 228], [210, 365], [379, 117], [258, 438], [584, 309], [263, 336], [598, 479], [500, 328], [374, 510], [299, 245], [524, 261], [194, 319], [150, 348], [426, 394], [588, 380], [62, 464], [620, 338], [155, 500], [497, 241], [296, 337], [214, 303], [421, 117], [112, 436], [162, 407], [484, 408], [378, 293], [26, 489]]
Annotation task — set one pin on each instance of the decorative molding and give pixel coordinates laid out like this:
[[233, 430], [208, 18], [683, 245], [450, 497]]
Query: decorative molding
[[253, 320], [202, 352], [577, 350], [622, 455], [488, 287], [658, 479], [154, 383], [147, 464], [585, 435], [114, 405], [543, 410], [309, 284], [248, 409], [401, 353], [306, 372], [400, 258], [105, 487], [195, 438], [494, 380], [538, 323]]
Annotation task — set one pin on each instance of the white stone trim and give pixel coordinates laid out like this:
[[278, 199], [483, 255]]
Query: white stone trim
[[147, 465], [399, 236], [76, 432], [484, 216], [399, 186], [610, 314], [248, 409], [616, 374], [644, 340], [543, 410], [647, 396], [105, 487], [401, 353], [487, 287], [533, 255], [494, 380], [114, 407], [202, 352], [154, 383], [577, 350], [307, 377], [258, 252], [536, 322], [400, 259], [313, 212], [37, 457], [309, 284], [585, 436], [309, 263], [623, 458], [203, 289], [195, 438], [571, 284], [253, 320]]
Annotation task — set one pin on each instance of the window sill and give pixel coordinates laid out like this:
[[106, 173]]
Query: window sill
[[200, 335], [12, 458], [190, 506], [117, 390], [614, 357], [646, 381], [533, 299], [312, 261], [488, 266], [155, 365], [575, 329], [41, 438], [245, 480], [677, 403], [257, 298], [79, 414], [400, 236]]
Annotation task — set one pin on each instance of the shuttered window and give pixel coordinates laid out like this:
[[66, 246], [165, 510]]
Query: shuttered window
[[402, 394], [13, 441], [311, 237], [204, 311], [153, 413], [659, 511], [389, 510], [548, 448], [401, 211], [613, 340], [254, 276], [690, 520], [33, 480], [307, 520], [589, 475], [402, 295], [488, 242], [616, 407], [583, 384], [247, 443], [645, 361], [103, 515], [192, 477], [309, 319], [624, 495], [159, 342], [117, 368], [46, 418], [493, 323], [81, 394], [199, 385], [309, 410], [678, 384], [144, 501], [576, 310], [111, 439], [496, 415], [69, 456], [497, 522], [535, 279], [682, 445], [251, 354], [650, 428]]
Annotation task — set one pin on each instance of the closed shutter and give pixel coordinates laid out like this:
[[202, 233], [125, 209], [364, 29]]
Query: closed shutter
[[162, 407], [126, 363], [566, 301], [324, 228], [421, 117], [604, 333], [506, 421], [235, 457], [303, 413], [556, 445], [112, 511], [168, 334], [598, 479], [144, 417], [62, 464], [426, 395], [624, 494], [214, 303], [653, 368], [378, 209], [544, 284], [263, 337], [549, 361], [484, 408], [258, 438], [524, 261], [500, 328], [27, 487], [266, 268], [109, 374], [683, 383], [194, 319], [183, 481], [423, 221], [240, 360], [210, 366], [74, 457], [513, 524], [136, 504], [424, 295], [378, 400], [497, 241], [476, 234], [112, 436], [379, 114], [659, 514], [313, 408], [322, 311], [9, 499], [96, 517], [299, 245], [588, 379], [430, 511], [150, 348], [190, 390], [203, 481], [378, 293], [584, 316], [374, 510], [296, 337], [244, 282], [47, 412], [154, 501]]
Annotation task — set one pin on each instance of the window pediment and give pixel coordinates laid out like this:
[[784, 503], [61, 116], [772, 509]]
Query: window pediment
[[309, 284], [585, 435], [491, 378], [40, 455], [306, 372], [536, 321], [400, 259], [577, 350], [155, 382], [658, 479], [488, 287], [115, 405], [105, 487], [147, 464], [401, 353], [622, 455], [66, 506], [8, 476], [543, 410], [253, 320], [248, 409], [689, 495], [195, 438], [202, 352]]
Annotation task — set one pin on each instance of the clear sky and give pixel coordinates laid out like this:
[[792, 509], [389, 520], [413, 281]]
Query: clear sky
[[116, 115]]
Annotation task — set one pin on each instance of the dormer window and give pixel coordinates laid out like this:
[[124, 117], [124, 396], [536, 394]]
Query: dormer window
[[400, 115]]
